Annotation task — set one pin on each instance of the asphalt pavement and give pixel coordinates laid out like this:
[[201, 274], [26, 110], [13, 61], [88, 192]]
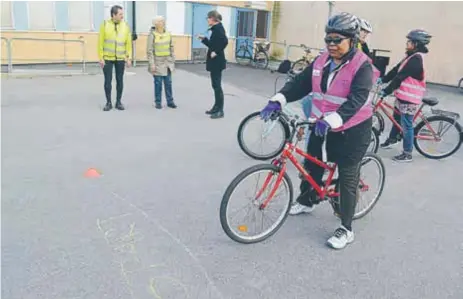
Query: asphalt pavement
[[148, 225]]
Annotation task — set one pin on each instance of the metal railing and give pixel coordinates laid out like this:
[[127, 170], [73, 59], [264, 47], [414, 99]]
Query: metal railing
[[63, 62], [8, 54]]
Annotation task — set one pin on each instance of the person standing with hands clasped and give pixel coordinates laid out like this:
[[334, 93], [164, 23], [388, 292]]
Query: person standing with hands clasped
[[215, 61], [407, 80], [161, 61], [340, 81], [114, 51]]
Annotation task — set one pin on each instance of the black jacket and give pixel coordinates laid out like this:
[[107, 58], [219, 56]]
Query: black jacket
[[362, 83], [349, 146], [413, 68], [217, 44]]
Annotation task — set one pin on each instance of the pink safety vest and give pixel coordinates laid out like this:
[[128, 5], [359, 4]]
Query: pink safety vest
[[411, 90], [337, 92]]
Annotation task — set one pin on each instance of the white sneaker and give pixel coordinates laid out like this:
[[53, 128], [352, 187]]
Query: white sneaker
[[341, 237], [297, 209]]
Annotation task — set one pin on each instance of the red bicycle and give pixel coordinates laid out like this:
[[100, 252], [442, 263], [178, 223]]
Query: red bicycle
[[276, 181], [428, 129]]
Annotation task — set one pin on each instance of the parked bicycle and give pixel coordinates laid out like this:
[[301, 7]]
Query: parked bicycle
[[255, 54], [264, 197], [427, 128], [308, 57]]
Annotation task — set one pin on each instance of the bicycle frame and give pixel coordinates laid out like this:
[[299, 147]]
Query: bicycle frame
[[382, 105], [322, 192]]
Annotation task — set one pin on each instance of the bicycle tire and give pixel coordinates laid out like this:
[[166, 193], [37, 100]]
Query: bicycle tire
[[302, 62], [245, 59], [252, 154], [229, 191], [264, 65], [430, 119], [358, 215], [375, 139], [380, 122]]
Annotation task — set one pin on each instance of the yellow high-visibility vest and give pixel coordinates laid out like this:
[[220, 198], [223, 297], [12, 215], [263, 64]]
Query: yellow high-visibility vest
[[359, 45], [115, 45], [162, 43]]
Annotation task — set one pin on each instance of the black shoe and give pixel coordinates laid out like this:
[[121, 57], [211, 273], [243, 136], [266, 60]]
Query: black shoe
[[158, 105], [172, 105], [216, 115], [403, 158], [389, 143], [119, 106], [108, 106], [212, 111]]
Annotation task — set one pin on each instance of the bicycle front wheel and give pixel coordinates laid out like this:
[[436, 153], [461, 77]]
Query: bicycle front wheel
[[262, 140], [438, 130], [378, 122], [371, 185], [299, 65], [374, 143], [258, 221], [243, 56]]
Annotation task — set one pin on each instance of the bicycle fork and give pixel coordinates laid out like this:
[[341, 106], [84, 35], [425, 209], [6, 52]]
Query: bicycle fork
[[268, 179]]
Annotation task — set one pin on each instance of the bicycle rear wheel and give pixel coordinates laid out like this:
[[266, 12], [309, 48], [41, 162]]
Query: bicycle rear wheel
[[261, 60], [372, 166], [269, 137], [247, 230], [432, 130]]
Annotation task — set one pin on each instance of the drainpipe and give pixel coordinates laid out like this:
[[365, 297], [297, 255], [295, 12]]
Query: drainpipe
[[134, 32], [330, 8]]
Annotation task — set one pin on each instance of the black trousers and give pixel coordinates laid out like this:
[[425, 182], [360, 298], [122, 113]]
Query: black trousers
[[216, 81], [347, 149], [119, 66]]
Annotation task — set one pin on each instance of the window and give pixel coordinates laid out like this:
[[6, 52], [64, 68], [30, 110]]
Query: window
[[245, 23], [80, 15], [262, 24], [146, 11], [41, 15], [7, 18]]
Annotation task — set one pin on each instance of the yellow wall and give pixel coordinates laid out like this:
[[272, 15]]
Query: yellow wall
[[33, 51], [304, 22]]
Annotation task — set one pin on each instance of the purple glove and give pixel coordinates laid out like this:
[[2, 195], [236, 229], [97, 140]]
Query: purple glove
[[321, 128], [268, 110]]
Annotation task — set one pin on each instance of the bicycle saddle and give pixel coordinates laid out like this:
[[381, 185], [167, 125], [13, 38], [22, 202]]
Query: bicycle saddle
[[430, 101]]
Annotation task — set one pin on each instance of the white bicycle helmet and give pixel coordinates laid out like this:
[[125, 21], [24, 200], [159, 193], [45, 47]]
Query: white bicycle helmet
[[364, 25]]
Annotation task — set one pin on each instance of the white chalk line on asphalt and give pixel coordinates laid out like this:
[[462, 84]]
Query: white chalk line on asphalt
[[175, 239]]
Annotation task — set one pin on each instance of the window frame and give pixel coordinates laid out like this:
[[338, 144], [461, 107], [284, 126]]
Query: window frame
[[53, 16]]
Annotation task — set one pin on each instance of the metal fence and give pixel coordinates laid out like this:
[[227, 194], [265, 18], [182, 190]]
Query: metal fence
[[35, 55]]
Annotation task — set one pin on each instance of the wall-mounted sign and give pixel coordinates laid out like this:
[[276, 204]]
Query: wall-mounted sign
[[256, 4]]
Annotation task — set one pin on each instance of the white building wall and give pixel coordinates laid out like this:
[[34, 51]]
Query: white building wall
[[175, 17], [226, 12], [146, 11]]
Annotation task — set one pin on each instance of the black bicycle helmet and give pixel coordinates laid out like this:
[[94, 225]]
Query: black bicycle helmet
[[419, 36], [344, 23]]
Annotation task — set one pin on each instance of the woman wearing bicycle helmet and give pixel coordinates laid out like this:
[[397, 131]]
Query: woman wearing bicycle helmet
[[407, 80], [340, 81], [365, 30]]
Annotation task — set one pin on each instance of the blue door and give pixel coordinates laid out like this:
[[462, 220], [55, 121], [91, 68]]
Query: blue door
[[198, 50], [245, 28]]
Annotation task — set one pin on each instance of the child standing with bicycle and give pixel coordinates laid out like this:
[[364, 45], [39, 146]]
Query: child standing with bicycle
[[407, 80]]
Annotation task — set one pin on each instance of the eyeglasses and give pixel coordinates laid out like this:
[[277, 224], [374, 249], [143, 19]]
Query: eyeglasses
[[334, 40]]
